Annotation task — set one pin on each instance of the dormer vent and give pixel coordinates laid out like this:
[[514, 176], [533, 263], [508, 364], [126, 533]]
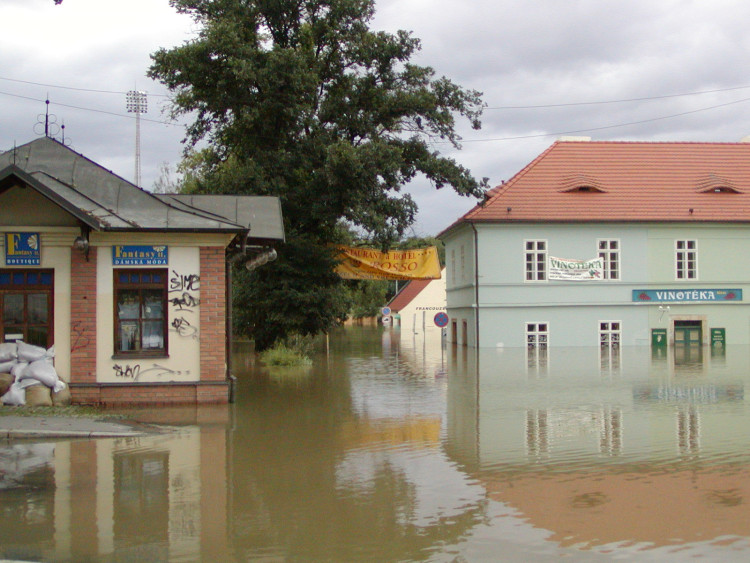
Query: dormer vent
[[582, 183], [713, 183]]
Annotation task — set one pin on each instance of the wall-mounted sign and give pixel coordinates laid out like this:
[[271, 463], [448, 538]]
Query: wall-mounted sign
[[686, 295], [575, 270], [140, 255], [22, 249]]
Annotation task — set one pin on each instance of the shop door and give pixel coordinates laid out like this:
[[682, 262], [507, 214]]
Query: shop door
[[688, 333], [26, 306]]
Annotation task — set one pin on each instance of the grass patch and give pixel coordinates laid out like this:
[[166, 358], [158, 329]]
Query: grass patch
[[284, 356], [71, 411], [293, 351]]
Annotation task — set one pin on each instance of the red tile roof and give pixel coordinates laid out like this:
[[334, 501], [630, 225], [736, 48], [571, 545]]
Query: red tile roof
[[576, 181], [407, 294]]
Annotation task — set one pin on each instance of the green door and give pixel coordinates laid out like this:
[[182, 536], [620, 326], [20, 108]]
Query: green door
[[688, 333]]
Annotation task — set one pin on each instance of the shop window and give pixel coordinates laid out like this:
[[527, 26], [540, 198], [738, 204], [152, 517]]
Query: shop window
[[609, 345], [609, 251], [140, 312], [26, 306], [537, 335], [686, 259], [609, 334], [536, 260]]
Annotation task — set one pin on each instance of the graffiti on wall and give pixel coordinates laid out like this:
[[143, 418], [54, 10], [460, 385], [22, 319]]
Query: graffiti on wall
[[78, 338], [134, 372], [185, 285], [183, 327]]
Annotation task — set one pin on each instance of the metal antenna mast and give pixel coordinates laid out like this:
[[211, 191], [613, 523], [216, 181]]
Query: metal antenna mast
[[136, 103]]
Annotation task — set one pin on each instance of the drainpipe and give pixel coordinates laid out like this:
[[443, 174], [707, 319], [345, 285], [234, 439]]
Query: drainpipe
[[476, 285], [228, 328]]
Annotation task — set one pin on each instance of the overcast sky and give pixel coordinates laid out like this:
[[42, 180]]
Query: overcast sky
[[646, 70]]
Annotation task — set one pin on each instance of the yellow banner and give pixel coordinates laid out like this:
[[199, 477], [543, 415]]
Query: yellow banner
[[370, 264]]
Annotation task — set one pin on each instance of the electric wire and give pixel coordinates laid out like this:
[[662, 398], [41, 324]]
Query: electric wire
[[92, 109], [509, 138], [74, 88]]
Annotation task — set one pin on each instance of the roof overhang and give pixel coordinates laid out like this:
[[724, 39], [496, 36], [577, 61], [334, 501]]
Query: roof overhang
[[12, 175]]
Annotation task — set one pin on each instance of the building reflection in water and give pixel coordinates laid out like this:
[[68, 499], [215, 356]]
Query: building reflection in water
[[613, 446], [152, 498], [398, 449]]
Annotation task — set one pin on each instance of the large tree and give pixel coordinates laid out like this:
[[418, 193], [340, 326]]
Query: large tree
[[302, 100]]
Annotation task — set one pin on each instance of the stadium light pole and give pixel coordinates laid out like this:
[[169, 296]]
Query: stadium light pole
[[137, 103]]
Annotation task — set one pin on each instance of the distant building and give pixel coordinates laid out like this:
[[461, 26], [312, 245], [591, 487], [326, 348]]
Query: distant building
[[607, 243], [131, 288], [417, 303]]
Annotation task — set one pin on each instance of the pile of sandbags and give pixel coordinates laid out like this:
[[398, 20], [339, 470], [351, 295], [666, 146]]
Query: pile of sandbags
[[28, 376]]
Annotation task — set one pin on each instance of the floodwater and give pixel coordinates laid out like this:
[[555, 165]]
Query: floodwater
[[394, 448]]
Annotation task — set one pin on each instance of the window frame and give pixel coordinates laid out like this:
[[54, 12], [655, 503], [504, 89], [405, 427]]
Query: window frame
[[536, 333], [10, 284], [141, 320], [682, 255], [606, 334], [532, 260], [608, 254]]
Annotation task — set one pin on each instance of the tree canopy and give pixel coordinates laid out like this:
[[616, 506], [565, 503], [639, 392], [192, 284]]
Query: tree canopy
[[300, 99]]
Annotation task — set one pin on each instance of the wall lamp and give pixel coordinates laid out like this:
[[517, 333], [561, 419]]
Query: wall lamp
[[81, 244], [260, 259]]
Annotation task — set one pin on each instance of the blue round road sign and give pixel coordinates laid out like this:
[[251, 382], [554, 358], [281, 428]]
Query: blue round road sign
[[441, 320]]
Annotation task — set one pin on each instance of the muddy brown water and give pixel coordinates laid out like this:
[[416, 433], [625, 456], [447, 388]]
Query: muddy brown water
[[392, 447]]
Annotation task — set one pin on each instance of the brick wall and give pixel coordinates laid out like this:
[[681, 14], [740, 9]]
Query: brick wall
[[213, 314], [150, 394], [83, 316]]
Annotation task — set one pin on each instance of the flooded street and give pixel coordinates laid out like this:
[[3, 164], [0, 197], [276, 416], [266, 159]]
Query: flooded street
[[392, 448]]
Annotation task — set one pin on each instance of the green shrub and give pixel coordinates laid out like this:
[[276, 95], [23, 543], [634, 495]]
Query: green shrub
[[293, 352]]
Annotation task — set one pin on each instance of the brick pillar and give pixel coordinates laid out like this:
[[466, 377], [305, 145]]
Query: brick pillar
[[213, 314], [83, 317]]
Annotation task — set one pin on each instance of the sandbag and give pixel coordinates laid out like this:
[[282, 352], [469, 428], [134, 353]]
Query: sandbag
[[6, 380], [5, 367], [38, 396], [41, 370], [8, 352], [30, 353], [17, 369], [59, 386], [62, 397], [15, 396]]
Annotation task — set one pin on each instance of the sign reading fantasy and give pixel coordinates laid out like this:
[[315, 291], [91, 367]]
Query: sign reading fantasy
[[575, 270], [140, 255]]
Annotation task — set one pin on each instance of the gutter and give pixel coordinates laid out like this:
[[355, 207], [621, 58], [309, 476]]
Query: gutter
[[476, 284]]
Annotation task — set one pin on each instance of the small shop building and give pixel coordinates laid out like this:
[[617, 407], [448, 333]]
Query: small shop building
[[132, 289], [417, 303], [607, 243]]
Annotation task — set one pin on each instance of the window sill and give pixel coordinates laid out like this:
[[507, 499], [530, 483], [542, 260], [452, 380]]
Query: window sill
[[141, 356]]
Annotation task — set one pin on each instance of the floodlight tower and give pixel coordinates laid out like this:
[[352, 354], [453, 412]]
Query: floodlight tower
[[136, 103]]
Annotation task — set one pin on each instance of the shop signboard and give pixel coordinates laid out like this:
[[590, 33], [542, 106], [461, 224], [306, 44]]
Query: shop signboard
[[140, 255], [686, 295], [575, 270], [22, 249]]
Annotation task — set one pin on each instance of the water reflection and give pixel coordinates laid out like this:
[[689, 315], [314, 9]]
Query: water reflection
[[394, 448]]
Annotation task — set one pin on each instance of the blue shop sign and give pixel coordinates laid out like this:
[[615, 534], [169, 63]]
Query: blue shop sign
[[140, 255], [22, 249], [686, 295]]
